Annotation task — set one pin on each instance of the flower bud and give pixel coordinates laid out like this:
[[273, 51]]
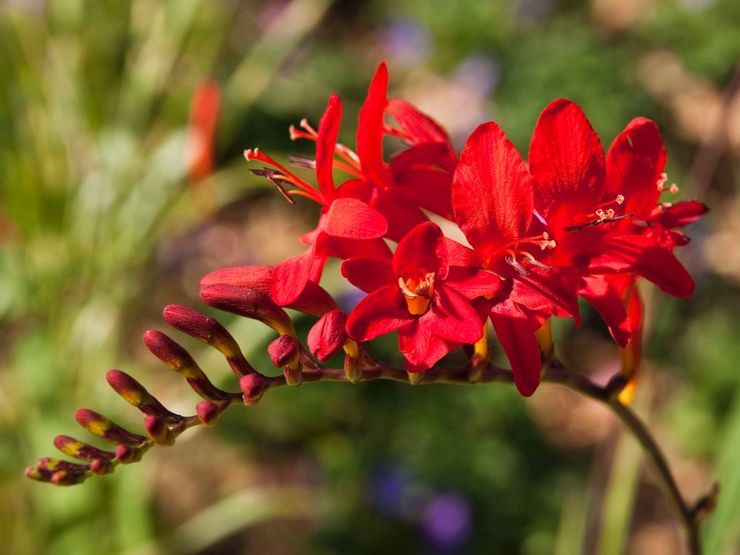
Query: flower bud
[[100, 467], [328, 335], [209, 411], [58, 472], [104, 428], [203, 328], [285, 352], [80, 450], [177, 358], [135, 394], [127, 455], [158, 431], [253, 386], [250, 303]]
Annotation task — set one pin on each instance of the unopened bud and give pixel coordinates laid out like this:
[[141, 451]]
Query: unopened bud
[[284, 351], [158, 431], [253, 387], [80, 450], [100, 467], [203, 328], [127, 455], [135, 394], [176, 357], [328, 335], [209, 411], [105, 428], [250, 303]]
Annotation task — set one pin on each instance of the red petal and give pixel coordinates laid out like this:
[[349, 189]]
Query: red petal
[[253, 277], [635, 253], [339, 247], [452, 317], [202, 128], [402, 216], [558, 287], [679, 214], [313, 300], [325, 145], [609, 305], [381, 312], [473, 282], [491, 190], [567, 162], [369, 274], [371, 128], [292, 275], [353, 219], [516, 334], [428, 188], [327, 335], [460, 255], [423, 250], [420, 347], [421, 129], [633, 165]]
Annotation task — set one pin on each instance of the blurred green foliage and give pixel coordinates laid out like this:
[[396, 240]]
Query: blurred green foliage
[[99, 227]]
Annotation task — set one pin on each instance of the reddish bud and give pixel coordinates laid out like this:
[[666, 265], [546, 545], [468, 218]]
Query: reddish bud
[[328, 335], [80, 450], [250, 277], [102, 427], [176, 357], [135, 394], [201, 129], [250, 303], [209, 411], [252, 386], [158, 431], [284, 351], [203, 328], [128, 455], [100, 467]]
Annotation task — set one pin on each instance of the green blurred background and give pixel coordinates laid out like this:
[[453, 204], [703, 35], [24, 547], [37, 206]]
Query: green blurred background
[[100, 228]]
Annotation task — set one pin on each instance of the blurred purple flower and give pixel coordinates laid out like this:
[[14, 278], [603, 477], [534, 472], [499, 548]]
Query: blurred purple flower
[[407, 42], [447, 522]]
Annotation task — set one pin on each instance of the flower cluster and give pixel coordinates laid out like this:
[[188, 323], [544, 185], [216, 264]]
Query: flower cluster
[[569, 222]]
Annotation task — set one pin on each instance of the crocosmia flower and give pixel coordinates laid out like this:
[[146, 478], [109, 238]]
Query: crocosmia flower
[[421, 295]]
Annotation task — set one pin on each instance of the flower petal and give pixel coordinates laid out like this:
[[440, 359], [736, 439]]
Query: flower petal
[[607, 302], [491, 190], [325, 145], [381, 312], [473, 282], [253, 277], [678, 214], [402, 215], [327, 335], [516, 334], [369, 274], [420, 347], [353, 219], [292, 275], [641, 255], [371, 127], [452, 317], [429, 188], [423, 250], [634, 163], [567, 162]]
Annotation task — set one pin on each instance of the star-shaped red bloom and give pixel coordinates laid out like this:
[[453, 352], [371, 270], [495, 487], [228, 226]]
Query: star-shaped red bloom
[[421, 295]]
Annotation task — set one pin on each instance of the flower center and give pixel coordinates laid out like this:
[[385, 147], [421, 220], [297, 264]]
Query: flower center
[[602, 214], [418, 292]]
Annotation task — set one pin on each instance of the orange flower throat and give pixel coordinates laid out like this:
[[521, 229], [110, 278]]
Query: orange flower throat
[[418, 292]]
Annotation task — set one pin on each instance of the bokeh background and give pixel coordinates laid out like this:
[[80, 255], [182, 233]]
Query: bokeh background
[[100, 227]]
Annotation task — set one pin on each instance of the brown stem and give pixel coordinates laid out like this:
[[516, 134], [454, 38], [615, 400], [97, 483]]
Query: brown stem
[[557, 373]]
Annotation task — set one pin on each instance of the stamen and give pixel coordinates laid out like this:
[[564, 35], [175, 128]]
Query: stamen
[[620, 199], [673, 188], [418, 292], [405, 289], [285, 175], [274, 178], [304, 123], [662, 181], [302, 162], [511, 261], [534, 262]]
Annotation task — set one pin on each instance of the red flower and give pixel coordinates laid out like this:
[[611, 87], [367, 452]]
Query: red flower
[[419, 294], [379, 199], [494, 204], [202, 129], [602, 213]]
